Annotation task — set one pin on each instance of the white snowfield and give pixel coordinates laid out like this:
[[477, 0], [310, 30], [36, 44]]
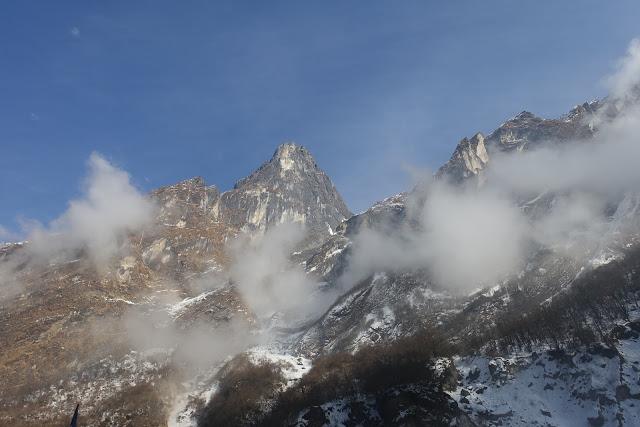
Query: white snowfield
[[593, 387]]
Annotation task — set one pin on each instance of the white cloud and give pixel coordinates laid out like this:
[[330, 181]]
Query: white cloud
[[269, 282], [465, 238], [471, 237], [75, 32], [202, 345], [468, 237], [99, 221], [627, 75]]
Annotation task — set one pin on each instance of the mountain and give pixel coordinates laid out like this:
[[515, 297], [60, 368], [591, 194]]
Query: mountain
[[523, 132], [62, 335], [579, 376], [288, 188], [167, 336]]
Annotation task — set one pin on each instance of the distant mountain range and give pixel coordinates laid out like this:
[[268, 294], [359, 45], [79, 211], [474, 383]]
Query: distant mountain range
[[157, 337]]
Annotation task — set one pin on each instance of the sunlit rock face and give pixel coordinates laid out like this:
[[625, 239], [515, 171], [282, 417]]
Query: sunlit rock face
[[68, 317], [185, 202], [526, 129], [288, 188], [523, 132], [468, 159]]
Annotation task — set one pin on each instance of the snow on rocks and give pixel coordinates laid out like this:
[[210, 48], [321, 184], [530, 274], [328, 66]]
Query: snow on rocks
[[293, 367], [596, 386], [177, 309]]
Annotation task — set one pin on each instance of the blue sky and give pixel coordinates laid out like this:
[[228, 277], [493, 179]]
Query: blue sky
[[168, 90]]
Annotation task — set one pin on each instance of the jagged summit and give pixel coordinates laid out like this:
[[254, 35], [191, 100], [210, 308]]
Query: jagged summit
[[288, 159], [290, 151], [526, 130], [524, 115], [522, 132], [290, 187], [468, 159], [579, 111]]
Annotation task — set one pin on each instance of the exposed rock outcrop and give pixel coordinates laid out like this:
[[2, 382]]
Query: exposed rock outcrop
[[288, 188]]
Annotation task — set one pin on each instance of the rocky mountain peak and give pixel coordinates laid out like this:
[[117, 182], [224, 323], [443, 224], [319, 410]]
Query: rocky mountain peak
[[468, 159], [580, 111], [526, 130], [289, 156], [522, 132], [524, 115], [476, 143], [290, 187], [289, 161]]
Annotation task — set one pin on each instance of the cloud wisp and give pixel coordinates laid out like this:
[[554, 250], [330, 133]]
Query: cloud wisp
[[463, 236], [477, 234], [270, 283], [98, 222], [200, 346]]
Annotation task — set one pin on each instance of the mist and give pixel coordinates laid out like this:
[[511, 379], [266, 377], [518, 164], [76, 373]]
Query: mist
[[607, 165], [99, 221], [277, 291], [96, 225], [10, 284], [198, 346], [463, 236], [594, 183], [476, 234], [624, 81], [270, 283]]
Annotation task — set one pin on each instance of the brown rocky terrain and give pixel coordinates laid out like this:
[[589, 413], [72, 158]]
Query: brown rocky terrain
[[63, 336]]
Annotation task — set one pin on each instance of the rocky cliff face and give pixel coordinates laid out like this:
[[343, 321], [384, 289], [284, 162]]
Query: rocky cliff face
[[469, 158], [523, 132], [62, 335], [288, 188], [372, 309]]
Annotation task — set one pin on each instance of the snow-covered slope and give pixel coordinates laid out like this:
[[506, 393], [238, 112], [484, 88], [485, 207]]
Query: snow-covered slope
[[596, 386]]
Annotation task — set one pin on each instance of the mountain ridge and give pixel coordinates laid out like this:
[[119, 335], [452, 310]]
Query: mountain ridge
[[168, 271]]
